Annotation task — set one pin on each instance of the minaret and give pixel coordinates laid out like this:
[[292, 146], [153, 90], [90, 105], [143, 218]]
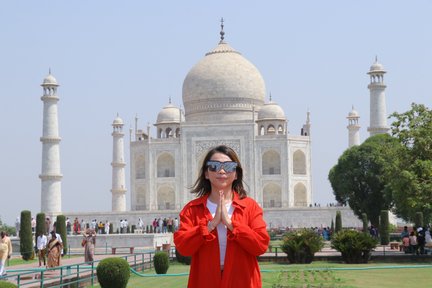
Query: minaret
[[353, 128], [378, 112], [50, 176], [118, 167], [305, 131]]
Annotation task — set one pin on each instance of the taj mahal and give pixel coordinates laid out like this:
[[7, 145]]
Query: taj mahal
[[224, 100]]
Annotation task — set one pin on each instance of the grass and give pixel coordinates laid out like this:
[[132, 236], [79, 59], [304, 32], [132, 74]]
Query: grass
[[309, 275]]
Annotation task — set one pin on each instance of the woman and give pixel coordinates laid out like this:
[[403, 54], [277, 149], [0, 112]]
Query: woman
[[223, 229], [89, 243], [54, 248]]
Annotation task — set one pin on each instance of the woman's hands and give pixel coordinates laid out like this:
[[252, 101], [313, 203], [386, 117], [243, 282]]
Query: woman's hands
[[221, 215]]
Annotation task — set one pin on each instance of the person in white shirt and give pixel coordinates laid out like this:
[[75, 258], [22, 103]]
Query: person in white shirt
[[41, 243]]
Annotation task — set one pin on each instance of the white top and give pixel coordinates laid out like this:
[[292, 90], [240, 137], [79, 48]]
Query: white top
[[41, 242], [221, 228]]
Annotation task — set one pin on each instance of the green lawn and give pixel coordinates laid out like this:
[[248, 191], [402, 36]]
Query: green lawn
[[310, 275]]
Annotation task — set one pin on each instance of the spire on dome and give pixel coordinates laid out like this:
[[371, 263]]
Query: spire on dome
[[169, 99], [270, 98], [222, 33]]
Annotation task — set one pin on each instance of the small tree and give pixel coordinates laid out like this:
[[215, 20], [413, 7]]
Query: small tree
[[365, 223], [61, 229], [332, 226], [40, 224], [338, 221], [384, 227], [26, 236], [418, 221]]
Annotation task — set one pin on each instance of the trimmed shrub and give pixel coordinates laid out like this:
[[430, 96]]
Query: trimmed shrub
[[338, 222], [183, 259], [61, 229], [26, 236], [40, 224], [384, 230], [301, 246], [161, 262], [355, 246], [113, 272], [365, 223], [4, 284]]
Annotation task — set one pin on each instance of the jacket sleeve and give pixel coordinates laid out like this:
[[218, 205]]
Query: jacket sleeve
[[253, 236], [191, 234]]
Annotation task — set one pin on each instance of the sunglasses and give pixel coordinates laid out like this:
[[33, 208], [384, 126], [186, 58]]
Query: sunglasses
[[216, 166]]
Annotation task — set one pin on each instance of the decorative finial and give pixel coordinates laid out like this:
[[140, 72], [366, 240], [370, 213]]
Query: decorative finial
[[49, 71], [222, 33], [169, 99], [376, 58], [270, 97]]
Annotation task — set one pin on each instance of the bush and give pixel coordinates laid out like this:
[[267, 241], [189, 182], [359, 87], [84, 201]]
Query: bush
[[355, 246], [4, 284], [61, 229], [301, 246], [183, 259], [113, 273], [161, 262], [26, 236]]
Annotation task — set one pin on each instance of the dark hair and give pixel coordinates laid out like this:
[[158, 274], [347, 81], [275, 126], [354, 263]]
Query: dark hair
[[202, 185]]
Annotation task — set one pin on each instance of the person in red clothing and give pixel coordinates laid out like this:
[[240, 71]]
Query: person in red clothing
[[223, 230]]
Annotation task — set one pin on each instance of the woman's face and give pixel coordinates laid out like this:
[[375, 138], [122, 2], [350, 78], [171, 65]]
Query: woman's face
[[220, 180]]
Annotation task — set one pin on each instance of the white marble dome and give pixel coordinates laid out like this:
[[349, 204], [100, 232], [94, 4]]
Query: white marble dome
[[376, 67], [353, 113], [50, 80], [271, 111], [169, 114], [117, 121], [223, 86]]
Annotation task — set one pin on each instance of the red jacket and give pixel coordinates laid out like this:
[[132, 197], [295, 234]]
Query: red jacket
[[247, 240]]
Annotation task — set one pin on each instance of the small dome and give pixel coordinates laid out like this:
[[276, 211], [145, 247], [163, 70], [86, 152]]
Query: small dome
[[271, 111], [117, 121], [169, 114], [376, 67], [353, 113], [49, 80]]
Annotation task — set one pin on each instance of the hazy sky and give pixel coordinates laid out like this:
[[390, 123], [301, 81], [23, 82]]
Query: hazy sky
[[129, 57]]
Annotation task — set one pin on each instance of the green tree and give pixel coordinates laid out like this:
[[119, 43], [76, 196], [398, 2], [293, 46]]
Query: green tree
[[26, 236], [411, 181], [384, 230], [365, 223], [418, 221], [338, 221], [61, 229], [40, 224], [359, 177]]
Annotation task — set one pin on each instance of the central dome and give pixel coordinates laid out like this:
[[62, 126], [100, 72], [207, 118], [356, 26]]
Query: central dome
[[223, 86]]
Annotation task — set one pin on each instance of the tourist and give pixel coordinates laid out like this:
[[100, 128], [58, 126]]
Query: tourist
[[17, 226], [47, 225], [5, 251], [55, 248], [41, 246], [68, 226], [140, 224], [223, 229], [89, 243], [33, 225], [176, 224], [107, 227], [170, 225], [413, 242]]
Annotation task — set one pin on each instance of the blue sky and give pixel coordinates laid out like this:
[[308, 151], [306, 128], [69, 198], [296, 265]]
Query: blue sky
[[129, 57]]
